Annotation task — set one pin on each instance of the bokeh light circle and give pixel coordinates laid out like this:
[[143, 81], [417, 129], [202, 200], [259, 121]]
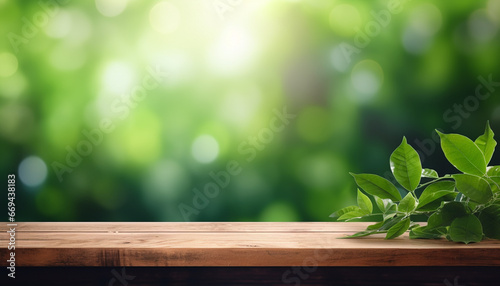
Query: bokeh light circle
[[60, 25], [493, 10], [423, 24], [205, 149], [426, 19], [110, 8], [118, 77], [165, 182], [339, 60], [232, 51], [32, 171], [367, 77], [481, 27], [415, 43]]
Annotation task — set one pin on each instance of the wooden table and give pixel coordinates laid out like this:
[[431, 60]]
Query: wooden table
[[223, 253]]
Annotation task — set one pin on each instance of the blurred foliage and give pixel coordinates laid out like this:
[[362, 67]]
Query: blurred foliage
[[357, 76]]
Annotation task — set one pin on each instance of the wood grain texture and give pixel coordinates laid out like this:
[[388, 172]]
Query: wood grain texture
[[231, 244]]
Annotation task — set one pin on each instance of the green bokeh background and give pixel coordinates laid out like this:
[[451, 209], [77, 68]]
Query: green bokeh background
[[228, 67]]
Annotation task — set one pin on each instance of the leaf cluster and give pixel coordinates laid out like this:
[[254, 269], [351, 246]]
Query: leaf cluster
[[463, 207]]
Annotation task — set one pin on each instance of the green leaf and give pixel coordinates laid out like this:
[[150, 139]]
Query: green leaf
[[490, 219], [390, 222], [434, 194], [429, 173], [432, 206], [390, 213], [493, 171], [446, 214], [351, 215], [406, 166], [364, 203], [474, 187], [486, 143], [376, 225], [377, 186], [384, 225], [379, 227], [398, 229], [463, 153], [383, 204], [387, 207], [340, 212], [466, 229], [361, 234], [426, 232], [407, 204], [494, 184]]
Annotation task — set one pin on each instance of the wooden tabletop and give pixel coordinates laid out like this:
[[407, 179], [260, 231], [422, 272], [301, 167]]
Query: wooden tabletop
[[230, 244]]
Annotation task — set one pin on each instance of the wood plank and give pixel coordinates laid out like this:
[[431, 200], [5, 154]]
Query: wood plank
[[233, 244], [252, 257], [288, 227], [234, 240]]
